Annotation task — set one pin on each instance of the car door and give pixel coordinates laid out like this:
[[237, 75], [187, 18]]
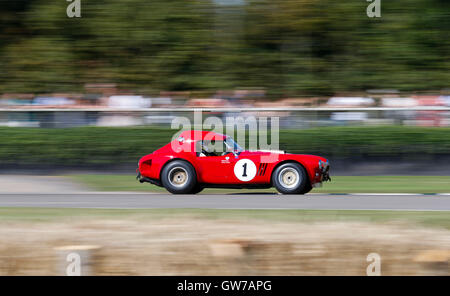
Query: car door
[[215, 169]]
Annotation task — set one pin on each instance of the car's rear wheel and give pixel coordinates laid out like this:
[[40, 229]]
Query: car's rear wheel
[[179, 177], [290, 178], [197, 189]]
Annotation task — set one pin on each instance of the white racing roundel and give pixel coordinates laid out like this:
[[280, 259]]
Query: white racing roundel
[[245, 170]]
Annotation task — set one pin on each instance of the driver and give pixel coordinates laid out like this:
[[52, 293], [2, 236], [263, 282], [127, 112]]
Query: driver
[[205, 151]]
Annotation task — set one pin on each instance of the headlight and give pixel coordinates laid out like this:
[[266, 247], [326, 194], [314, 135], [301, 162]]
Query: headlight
[[323, 165]]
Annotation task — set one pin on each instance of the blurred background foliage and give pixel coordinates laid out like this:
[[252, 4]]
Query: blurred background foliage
[[106, 147], [290, 47]]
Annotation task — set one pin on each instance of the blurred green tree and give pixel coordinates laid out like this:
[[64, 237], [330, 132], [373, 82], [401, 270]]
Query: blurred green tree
[[290, 47]]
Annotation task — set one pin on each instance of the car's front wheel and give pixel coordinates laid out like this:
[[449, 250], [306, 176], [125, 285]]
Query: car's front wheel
[[290, 178], [179, 177]]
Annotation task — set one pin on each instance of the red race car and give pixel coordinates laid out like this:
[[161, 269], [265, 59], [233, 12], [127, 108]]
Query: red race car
[[199, 159]]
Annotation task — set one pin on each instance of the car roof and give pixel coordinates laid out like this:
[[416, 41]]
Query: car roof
[[198, 135]]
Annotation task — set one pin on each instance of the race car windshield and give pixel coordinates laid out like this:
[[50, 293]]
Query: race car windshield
[[233, 145]]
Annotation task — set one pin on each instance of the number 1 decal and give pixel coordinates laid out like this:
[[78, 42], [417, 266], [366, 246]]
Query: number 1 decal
[[245, 170]]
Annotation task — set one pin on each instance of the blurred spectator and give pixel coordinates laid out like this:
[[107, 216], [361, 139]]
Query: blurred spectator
[[11, 100], [350, 102], [430, 118], [446, 100], [299, 102], [429, 100], [399, 102], [52, 101], [208, 103], [127, 101], [399, 116], [162, 102], [349, 116]]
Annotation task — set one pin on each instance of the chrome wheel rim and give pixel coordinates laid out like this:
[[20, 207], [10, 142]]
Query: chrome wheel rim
[[289, 178], [178, 176]]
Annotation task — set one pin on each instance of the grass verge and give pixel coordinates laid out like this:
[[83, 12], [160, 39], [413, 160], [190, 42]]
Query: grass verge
[[340, 184], [429, 219]]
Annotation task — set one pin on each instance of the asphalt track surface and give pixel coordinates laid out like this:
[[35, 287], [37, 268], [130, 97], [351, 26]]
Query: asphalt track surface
[[406, 202]]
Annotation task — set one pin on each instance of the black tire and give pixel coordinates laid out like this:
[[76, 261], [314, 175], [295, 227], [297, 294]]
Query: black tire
[[197, 189], [307, 189], [179, 177], [291, 172]]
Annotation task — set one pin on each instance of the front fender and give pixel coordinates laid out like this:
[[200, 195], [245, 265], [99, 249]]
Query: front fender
[[309, 162]]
